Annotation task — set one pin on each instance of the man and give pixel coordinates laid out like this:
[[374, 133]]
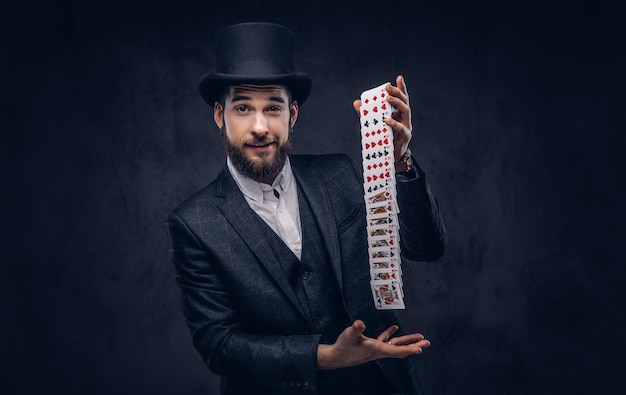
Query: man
[[271, 257]]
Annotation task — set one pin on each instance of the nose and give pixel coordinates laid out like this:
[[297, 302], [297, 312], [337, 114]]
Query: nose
[[260, 127]]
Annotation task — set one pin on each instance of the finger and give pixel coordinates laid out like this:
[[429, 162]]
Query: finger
[[383, 337], [395, 125], [401, 84], [395, 349], [408, 339], [357, 106], [398, 93], [401, 105], [392, 351], [358, 327], [424, 343], [353, 333]]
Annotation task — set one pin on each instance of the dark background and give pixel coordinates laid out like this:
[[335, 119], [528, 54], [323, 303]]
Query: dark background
[[518, 115]]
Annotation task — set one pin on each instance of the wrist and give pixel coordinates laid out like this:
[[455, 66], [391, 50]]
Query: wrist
[[324, 357]]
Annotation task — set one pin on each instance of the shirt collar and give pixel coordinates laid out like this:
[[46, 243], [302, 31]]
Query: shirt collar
[[253, 189]]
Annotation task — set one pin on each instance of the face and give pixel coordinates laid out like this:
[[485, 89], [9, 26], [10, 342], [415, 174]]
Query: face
[[256, 120]]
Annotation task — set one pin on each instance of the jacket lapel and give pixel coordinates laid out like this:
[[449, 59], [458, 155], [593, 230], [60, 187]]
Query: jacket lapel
[[316, 193], [252, 230]]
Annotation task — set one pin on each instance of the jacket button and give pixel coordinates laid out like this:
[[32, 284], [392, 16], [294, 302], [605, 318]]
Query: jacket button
[[305, 275]]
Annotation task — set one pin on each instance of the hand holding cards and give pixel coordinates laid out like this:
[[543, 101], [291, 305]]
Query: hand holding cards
[[379, 176]]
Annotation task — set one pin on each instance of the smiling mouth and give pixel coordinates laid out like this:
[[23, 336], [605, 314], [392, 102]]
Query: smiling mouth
[[260, 144]]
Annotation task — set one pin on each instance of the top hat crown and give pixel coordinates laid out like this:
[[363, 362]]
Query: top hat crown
[[254, 53]]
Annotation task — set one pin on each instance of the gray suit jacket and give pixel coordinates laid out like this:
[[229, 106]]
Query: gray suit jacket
[[244, 317]]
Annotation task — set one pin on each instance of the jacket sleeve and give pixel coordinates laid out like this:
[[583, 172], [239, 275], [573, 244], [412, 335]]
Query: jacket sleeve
[[422, 230], [279, 361]]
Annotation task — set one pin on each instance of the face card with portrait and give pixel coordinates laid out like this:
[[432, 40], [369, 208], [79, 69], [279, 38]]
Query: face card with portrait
[[379, 187], [387, 295], [385, 274]]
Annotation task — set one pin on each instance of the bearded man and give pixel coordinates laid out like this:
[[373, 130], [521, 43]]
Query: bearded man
[[271, 257]]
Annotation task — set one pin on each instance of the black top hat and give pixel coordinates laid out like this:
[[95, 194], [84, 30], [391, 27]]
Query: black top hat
[[254, 53]]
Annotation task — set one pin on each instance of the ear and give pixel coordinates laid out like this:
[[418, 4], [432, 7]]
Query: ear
[[218, 115], [293, 113]]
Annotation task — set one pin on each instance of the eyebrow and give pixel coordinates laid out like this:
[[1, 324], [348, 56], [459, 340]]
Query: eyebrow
[[276, 99]]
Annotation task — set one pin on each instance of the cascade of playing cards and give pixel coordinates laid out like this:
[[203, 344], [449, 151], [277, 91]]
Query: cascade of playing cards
[[379, 176]]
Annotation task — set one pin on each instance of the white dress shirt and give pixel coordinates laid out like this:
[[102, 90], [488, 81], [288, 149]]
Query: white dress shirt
[[276, 204]]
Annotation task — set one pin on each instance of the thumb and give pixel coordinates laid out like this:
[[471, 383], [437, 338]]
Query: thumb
[[358, 327], [357, 106]]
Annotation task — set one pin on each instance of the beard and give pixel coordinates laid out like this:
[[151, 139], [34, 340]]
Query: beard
[[266, 166]]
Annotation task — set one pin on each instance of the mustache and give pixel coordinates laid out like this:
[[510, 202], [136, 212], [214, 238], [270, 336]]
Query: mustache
[[260, 140]]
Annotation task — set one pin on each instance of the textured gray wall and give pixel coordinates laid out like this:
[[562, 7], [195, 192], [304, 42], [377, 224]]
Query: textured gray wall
[[518, 119]]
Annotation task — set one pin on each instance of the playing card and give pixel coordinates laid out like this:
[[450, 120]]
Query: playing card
[[381, 195], [384, 230], [386, 253], [377, 154], [377, 165], [381, 207], [388, 274], [386, 175], [373, 94], [384, 263], [374, 117], [377, 143], [383, 236], [370, 186], [386, 294], [381, 219], [375, 181], [372, 122], [374, 100], [379, 186], [385, 274], [383, 131], [374, 107], [383, 252], [389, 264], [391, 236], [373, 243]]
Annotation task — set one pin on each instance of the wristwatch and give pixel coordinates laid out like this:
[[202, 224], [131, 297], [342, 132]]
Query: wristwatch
[[404, 164]]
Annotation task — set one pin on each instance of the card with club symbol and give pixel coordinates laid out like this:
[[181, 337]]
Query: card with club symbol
[[379, 189]]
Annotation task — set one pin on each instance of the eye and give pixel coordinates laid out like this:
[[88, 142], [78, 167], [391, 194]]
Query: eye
[[241, 108], [275, 109]]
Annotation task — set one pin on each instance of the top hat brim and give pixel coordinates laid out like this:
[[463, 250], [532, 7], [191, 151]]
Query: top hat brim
[[212, 85]]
